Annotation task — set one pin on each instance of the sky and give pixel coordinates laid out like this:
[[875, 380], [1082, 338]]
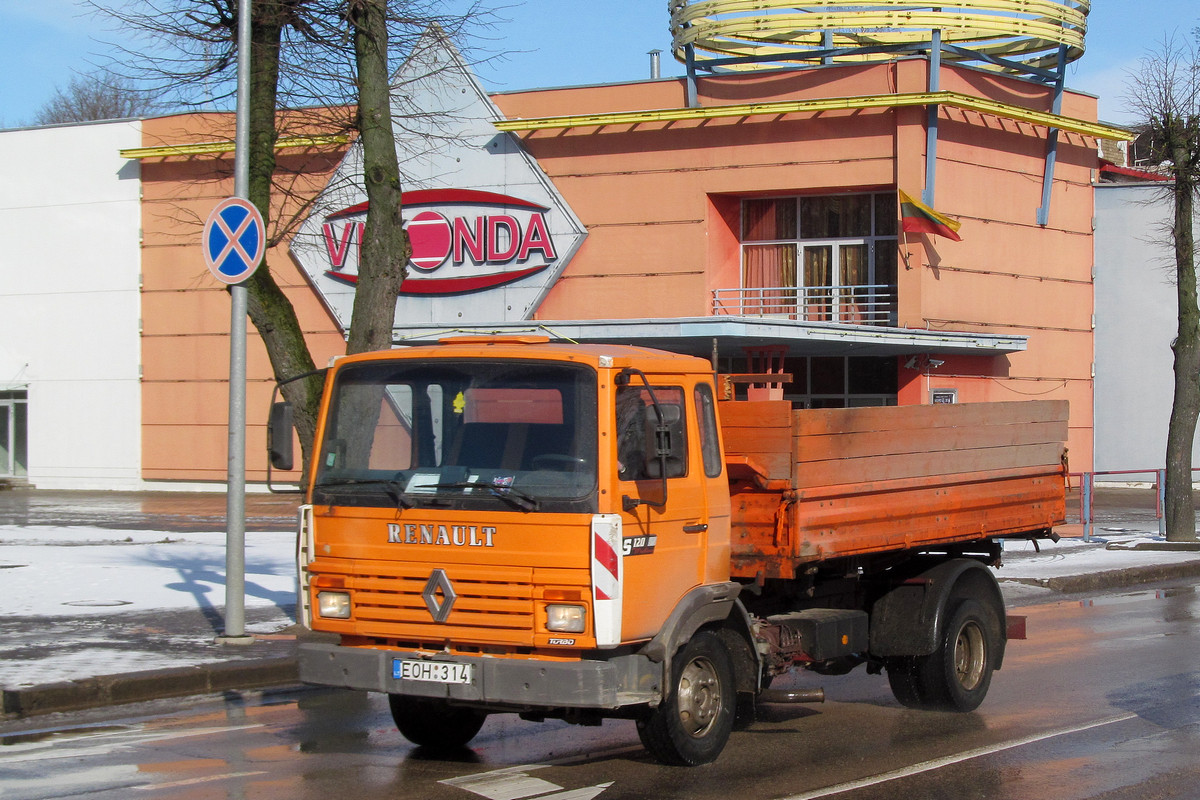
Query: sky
[[549, 43]]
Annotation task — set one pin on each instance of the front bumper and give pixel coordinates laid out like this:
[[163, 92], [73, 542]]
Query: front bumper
[[620, 681]]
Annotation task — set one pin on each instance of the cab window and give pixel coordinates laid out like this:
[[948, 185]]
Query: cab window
[[710, 442], [637, 429]]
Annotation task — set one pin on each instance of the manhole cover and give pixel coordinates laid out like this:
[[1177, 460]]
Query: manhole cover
[[98, 603]]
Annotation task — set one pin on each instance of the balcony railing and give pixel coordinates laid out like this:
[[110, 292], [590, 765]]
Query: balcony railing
[[852, 305]]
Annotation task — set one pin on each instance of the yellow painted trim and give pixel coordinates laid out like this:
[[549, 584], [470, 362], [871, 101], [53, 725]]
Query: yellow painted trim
[[903, 100], [1030, 29], [212, 148]]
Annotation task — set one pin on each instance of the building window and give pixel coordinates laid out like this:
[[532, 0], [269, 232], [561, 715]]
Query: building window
[[833, 381], [825, 258], [14, 436]]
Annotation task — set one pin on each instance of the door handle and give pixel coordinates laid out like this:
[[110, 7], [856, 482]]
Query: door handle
[[697, 527]]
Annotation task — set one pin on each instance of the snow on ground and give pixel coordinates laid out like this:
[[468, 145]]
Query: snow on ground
[[1109, 549], [48, 571]]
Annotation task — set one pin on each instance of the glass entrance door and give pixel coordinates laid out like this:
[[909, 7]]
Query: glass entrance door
[[13, 434]]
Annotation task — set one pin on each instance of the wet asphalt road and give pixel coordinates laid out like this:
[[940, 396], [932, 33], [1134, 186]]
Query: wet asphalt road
[[1101, 702]]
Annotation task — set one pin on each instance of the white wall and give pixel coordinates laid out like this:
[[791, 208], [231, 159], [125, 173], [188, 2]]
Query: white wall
[[69, 299], [1136, 321]]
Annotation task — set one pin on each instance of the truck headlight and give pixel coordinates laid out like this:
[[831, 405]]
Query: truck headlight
[[333, 605], [565, 619]]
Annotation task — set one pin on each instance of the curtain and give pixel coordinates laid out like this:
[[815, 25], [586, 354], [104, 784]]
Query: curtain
[[818, 277], [769, 272], [853, 305]]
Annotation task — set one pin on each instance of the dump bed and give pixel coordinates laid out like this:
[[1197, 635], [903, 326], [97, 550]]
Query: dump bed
[[810, 485]]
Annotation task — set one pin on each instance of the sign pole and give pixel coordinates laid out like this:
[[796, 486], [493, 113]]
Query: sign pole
[[235, 493]]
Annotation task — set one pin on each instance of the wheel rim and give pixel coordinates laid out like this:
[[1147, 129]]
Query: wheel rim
[[699, 697], [970, 656]]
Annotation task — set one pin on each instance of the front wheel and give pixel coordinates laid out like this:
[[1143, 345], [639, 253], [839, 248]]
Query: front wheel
[[956, 676], [692, 724], [435, 723]]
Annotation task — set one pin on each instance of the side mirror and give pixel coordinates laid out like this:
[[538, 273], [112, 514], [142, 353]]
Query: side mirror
[[279, 436]]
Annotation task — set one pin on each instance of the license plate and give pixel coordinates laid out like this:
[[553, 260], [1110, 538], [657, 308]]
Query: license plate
[[432, 671]]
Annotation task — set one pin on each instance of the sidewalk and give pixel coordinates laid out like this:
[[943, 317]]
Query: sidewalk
[[118, 597]]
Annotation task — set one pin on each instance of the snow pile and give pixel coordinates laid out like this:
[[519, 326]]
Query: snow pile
[[78, 571]]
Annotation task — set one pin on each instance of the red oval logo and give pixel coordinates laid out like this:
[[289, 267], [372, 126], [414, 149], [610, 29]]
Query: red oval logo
[[429, 234], [475, 240]]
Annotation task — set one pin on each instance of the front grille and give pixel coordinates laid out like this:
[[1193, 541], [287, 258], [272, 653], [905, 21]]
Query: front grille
[[491, 605]]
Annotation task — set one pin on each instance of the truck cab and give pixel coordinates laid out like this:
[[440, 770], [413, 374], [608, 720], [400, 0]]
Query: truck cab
[[507, 524]]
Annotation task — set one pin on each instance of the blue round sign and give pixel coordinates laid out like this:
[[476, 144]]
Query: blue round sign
[[234, 240]]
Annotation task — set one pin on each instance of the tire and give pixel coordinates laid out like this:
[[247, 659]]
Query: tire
[[956, 676], [692, 724], [435, 723], [902, 677]]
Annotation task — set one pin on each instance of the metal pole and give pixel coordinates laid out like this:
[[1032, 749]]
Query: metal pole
[[693, 91], [931, 127], [235, 493], [1160, 480], [1043, 212], [1086, 499]]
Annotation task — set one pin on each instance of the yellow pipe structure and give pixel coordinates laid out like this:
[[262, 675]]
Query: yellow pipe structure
[[211, 148], [902, 100], [1025, 32]]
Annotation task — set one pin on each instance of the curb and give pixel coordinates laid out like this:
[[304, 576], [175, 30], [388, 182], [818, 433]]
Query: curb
[[136, 687], [1115, 578], [1162, 547]]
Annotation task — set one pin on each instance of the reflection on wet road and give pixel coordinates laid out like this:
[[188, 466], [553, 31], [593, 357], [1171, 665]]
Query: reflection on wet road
[[1102, 701]]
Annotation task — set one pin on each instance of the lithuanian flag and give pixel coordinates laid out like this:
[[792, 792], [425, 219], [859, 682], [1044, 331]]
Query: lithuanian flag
[[916, 217]]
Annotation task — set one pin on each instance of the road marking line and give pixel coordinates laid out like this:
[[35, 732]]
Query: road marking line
[[515, 783], [153, 787], [511, 783], [81, 743], [946, 761]]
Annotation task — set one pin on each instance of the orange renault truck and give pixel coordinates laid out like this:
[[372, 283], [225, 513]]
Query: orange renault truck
[[577, 531]]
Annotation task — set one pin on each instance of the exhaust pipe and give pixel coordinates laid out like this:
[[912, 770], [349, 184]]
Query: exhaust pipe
[[792, 696]]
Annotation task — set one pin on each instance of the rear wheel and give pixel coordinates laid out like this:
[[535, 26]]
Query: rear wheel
[[435, 723], [692, 724], [956, 676]]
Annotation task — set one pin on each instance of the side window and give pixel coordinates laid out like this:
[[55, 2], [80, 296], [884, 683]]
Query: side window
[[637, 432], [710, 443]]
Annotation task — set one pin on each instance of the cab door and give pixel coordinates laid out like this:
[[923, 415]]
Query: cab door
[[716, 484], [663, 493]]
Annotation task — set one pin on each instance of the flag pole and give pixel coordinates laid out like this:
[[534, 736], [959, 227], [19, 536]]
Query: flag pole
[[903, 233]]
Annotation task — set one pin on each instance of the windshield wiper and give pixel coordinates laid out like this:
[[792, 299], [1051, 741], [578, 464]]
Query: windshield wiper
[[390, 486], [514, 497]]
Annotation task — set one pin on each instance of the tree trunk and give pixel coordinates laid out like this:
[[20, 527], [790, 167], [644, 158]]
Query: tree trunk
[[269, 309], [385, 248], [1180, 505]]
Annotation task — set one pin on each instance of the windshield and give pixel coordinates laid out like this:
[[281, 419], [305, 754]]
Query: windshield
[[468, 434]]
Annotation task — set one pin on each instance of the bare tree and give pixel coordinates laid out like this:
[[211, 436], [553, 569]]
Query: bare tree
[[385, 246], [316, 66], [1164, 92], [95, 97]]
